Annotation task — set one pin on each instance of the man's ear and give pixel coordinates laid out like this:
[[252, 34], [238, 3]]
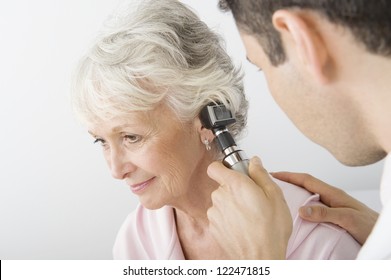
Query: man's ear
[[300, 36]]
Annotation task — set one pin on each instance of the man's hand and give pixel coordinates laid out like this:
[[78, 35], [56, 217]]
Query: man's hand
[[249, 217], [345, 211]]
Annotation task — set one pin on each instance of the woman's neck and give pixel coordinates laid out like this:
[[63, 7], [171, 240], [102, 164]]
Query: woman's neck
[[194, 204]]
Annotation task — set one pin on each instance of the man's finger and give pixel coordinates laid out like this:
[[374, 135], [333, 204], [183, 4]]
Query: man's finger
[[223, 175], [322, 214], [260, 176]]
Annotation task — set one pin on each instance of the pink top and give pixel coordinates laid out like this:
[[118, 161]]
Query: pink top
[[151, 234]]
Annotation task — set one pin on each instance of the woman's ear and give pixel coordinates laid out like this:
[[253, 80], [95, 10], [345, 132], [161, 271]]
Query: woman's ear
[[301, 38], [205, 134]]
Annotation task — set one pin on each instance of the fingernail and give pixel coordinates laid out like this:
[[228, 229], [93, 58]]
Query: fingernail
[[308, 211], [256, 160]]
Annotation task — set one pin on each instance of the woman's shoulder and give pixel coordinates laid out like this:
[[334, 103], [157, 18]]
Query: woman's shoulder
[[314, 240]]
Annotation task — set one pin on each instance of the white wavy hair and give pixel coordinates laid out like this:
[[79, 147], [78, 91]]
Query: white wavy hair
[[158, 52]]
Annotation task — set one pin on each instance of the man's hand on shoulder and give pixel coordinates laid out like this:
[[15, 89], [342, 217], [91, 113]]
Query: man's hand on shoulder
[[342, 209]]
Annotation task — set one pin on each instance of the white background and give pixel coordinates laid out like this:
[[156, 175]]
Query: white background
[[57, 199]]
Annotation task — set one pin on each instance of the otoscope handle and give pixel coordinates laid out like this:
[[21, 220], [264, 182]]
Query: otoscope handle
[[241, 166], [236, 160]]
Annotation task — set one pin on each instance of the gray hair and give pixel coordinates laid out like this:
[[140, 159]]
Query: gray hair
[[157, 53]]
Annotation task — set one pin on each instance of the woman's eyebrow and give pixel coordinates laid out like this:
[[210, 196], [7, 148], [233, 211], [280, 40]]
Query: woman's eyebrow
[[119, 128], [116, 128]]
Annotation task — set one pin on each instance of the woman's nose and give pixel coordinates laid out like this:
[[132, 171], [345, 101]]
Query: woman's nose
[[120, 165]]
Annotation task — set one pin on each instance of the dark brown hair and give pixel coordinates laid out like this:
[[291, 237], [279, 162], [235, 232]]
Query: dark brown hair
[[369, 21]]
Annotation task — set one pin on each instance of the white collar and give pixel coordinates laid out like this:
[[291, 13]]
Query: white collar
[[385, 186]]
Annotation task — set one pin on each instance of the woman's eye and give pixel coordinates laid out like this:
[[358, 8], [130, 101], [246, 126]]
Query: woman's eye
[[100, 141], [131, 138]]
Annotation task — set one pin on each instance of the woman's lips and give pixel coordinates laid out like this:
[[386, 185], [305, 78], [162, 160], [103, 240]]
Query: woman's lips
[[136, 188]]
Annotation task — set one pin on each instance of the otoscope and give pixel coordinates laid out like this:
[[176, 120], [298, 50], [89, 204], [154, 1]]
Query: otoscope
[[216, 117]]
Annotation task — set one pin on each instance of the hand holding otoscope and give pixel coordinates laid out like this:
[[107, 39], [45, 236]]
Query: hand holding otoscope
[[265, 219], [217, 117]]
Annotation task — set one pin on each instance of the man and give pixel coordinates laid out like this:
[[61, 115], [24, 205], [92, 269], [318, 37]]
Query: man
[[327, 63]]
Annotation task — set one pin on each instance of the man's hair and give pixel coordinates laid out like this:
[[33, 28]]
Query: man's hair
[[368, 21]]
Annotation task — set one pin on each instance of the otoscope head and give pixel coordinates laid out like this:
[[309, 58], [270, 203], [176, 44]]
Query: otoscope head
[[216, 117]]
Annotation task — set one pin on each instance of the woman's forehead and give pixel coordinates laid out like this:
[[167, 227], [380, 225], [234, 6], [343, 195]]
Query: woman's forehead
[[159, 116], [115, 124]]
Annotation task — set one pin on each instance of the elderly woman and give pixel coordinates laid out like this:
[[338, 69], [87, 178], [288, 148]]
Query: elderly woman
[[140, 90]]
